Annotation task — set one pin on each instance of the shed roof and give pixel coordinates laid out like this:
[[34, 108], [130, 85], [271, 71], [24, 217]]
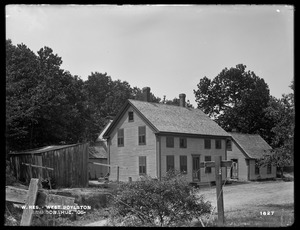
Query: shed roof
[[165, 118], [43, 149], [100, 137], [97, 152], [253, 145]]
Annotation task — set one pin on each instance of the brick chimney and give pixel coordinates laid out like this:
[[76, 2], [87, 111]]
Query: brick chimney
[[182, 100], [146, 94]]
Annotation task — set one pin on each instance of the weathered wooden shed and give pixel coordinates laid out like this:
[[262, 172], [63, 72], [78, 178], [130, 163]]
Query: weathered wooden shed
[[97, 154], [70, 164]]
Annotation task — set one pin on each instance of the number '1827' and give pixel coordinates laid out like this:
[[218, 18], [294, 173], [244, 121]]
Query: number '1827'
[[266, 213]]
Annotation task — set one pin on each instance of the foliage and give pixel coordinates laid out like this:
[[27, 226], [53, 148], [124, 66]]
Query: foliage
[[176, 101], [169, 202], [137, 94], [283, 112], [236, 99], [104, 99], [46, 105]]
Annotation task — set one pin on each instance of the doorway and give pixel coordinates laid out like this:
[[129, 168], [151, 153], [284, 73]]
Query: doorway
[[196, 168], [234, 169]]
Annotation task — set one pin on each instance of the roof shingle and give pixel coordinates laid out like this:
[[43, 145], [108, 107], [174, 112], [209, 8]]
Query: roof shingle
[[97, 152], [252, 144], [177, 119]]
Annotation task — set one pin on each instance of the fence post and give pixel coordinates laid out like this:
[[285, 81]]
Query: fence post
[[118, 173], [220, 203], [30, 202]]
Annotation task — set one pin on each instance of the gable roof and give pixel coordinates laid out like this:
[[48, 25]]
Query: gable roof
[[164, 118], [100, 137], [253, 145]]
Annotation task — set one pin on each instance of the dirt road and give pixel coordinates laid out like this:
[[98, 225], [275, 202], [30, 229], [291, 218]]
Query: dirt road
[[252, 195], [246, 196]]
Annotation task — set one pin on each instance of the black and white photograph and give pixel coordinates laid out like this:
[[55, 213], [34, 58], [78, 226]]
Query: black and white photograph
[[178, 115]]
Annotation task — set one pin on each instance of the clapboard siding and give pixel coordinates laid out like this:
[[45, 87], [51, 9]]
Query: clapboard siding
[[128, 156], [262, 172], [195, 146], [70, 165], [242, 164], [246, 166]]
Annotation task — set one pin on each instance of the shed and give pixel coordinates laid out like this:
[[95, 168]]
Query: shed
[[70, 164], [246, 150], [97, 154]]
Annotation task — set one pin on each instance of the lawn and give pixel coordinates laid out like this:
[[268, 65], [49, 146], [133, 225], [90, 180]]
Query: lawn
[[257, 204]]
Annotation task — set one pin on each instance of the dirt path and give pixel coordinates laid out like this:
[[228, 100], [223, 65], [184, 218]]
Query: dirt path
[[253, 195]]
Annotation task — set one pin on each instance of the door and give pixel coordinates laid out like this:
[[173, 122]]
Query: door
[[196, 168], [234, 169]]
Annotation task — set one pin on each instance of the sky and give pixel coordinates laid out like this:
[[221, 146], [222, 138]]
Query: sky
[[168, 48]]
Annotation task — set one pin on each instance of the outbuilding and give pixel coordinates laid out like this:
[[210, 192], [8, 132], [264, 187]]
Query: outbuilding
[[245, 150], [69, 163]]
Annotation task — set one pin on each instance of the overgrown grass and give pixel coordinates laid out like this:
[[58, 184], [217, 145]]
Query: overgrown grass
[[100, 209], [283, 215], [13, 217]]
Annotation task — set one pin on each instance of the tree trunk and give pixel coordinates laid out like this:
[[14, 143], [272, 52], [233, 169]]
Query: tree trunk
[[281, 172]]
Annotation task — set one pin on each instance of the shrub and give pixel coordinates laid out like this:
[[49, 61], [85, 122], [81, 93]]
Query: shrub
[[170, 201]]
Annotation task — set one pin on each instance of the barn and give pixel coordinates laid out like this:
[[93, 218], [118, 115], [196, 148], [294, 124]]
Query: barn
[[70, 164]]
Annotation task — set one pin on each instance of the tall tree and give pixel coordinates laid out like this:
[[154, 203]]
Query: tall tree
[[96, 88], [235, 98], [22, 76], [282, 111], [43, 102]]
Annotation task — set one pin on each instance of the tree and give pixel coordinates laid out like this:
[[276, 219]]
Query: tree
[[282, 111], [137, 94], [167, 202], [235, 98], [44, 103], [176, 101], [96, 89], [21, 79]]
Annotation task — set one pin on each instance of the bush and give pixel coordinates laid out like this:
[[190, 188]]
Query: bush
[[168, 202]]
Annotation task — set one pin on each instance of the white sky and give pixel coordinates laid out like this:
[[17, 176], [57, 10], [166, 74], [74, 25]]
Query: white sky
[[168, 48]]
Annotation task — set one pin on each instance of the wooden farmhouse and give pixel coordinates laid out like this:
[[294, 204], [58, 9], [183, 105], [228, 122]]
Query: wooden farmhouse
[[246, 149], [152, 138], [69, 164], [98, 154]]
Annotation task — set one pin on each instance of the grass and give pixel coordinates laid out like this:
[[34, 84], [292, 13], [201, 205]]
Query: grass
[[95, 198], [283, 215]]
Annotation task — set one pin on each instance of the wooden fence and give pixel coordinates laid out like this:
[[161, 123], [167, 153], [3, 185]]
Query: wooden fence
[[34, 196], [70, 164]]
